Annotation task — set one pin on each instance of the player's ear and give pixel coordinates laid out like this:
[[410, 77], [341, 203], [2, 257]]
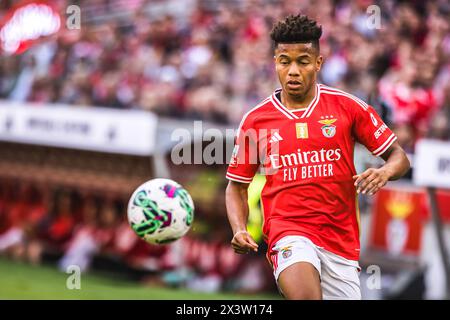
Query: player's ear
[[319, 62], [274, 46]]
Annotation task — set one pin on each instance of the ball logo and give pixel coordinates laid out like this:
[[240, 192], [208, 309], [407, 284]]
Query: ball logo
[[329, 129]]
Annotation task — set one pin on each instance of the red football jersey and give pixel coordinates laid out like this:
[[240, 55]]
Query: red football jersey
[[307, 157]]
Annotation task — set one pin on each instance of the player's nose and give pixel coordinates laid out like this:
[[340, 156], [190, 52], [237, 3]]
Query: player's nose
[[293, 70]]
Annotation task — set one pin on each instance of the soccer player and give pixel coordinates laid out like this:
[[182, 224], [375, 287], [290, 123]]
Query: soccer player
[[302, 137]]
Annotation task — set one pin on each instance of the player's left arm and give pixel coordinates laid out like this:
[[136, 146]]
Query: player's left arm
[[373, 179], [370, 130]]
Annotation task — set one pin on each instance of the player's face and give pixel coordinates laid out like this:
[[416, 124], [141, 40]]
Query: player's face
[[297, 65]]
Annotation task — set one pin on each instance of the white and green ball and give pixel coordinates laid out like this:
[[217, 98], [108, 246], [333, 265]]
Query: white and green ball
[[160, 211]]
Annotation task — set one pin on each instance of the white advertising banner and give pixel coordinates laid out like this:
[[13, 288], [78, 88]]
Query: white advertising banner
[[98, 129], [432, 163]]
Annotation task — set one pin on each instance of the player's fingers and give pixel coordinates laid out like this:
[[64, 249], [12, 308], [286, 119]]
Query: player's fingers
[[240, 251], [253, 248], [376, 178], [252, 243], [238, 248], [364, 182], [362, 176], [235, 245], [358, 180], [241, 242], [376, 188], [249, 246], [366, 173], [369, 186], [241, 248]]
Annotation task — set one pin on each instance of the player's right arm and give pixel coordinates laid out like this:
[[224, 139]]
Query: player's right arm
[[236, 198], [241, 170]]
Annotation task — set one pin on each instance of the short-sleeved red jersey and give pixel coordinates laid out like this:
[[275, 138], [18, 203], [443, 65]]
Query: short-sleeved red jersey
[[307, 157]]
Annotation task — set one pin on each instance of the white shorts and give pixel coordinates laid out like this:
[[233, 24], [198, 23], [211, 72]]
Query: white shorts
[[339, 277]]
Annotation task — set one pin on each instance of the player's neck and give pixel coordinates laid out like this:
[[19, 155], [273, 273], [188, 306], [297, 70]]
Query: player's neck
[[300, 102]]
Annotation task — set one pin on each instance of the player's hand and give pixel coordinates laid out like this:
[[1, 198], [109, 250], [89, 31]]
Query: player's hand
[[243, 243], [371, 180]]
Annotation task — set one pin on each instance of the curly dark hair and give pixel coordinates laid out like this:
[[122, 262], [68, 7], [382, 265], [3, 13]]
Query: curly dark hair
[[296, 29]]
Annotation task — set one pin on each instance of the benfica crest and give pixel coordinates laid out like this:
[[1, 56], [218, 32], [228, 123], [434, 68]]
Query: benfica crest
[[329, 129], [286, 252]]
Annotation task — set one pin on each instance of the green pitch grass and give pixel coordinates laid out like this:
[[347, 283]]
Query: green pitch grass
[[22, 281]]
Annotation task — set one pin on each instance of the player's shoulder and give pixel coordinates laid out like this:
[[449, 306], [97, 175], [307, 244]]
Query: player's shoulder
[[256, 111], [348, 100]]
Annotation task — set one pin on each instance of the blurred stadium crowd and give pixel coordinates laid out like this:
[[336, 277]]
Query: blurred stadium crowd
[[206, 60], [211, 60]]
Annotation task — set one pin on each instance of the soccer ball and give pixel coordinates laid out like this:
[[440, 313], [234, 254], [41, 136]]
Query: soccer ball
[[160, 211]]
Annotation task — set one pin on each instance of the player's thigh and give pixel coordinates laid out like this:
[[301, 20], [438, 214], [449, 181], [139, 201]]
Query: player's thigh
[[340, 278], [297, 268], [300, 281]]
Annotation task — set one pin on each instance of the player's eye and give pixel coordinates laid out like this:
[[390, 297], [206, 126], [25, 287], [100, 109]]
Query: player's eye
[[284, 62]]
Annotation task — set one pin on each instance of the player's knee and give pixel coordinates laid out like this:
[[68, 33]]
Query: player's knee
[[301, 291]]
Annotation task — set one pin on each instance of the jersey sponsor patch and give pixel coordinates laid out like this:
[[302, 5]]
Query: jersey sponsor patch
[[301, 128]]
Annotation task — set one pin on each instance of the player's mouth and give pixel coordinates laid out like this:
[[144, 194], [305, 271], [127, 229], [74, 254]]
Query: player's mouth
[[294, 84]]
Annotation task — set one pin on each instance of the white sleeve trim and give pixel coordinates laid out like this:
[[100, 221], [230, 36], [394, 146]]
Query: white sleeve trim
[[237, 178], [378, 152]]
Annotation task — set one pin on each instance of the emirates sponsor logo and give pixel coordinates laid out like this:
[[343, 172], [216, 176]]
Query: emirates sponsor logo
[[305, 164], [304, 157]]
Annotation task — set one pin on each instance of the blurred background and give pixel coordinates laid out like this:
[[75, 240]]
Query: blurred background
[[92, 91]]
